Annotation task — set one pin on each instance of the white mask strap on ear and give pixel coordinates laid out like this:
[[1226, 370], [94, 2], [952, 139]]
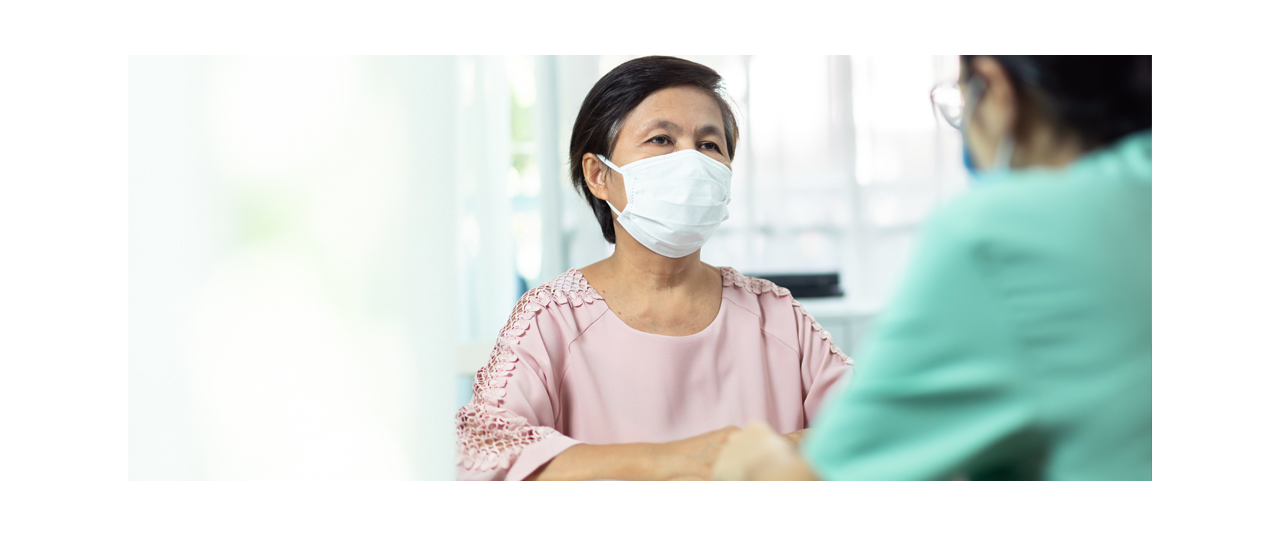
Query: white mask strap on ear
[[615, 168], [607, 163]]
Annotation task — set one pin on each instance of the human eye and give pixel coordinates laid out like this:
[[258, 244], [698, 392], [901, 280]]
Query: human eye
[[661, 139], [710, 146]]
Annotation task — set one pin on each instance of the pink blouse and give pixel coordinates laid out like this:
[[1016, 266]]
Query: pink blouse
[[566, 370]]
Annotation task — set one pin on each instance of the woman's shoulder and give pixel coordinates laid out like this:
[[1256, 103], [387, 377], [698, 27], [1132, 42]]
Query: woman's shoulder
[[555, 312], [780, 313], [562, 300], [569, 289], [1055, 200], [758, 295], [732, 279], [565, 302]]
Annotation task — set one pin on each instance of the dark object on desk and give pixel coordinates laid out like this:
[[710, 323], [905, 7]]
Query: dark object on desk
[[807, 285]]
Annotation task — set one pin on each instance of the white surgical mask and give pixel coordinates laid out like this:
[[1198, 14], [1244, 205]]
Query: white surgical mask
[[674, 201]]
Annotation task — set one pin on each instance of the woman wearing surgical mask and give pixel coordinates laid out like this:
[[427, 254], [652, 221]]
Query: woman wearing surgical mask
[[639, 366], [1019, 343]]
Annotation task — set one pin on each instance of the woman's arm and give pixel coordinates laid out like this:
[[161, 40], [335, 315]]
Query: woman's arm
[[690, 458]]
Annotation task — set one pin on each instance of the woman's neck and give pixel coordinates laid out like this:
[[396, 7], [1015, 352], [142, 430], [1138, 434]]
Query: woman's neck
[[654, 293], [646, 271], [1043, 145]]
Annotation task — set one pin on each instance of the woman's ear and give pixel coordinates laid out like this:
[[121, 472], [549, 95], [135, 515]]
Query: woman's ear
[[996, 114], [595, 172]]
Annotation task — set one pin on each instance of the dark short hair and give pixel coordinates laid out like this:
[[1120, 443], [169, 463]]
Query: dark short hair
[[1099, 98], [618, 93]]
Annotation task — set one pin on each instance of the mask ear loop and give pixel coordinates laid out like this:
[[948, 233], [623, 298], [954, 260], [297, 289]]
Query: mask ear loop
[[615, 168]]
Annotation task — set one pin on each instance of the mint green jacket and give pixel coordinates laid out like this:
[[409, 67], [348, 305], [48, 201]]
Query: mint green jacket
[[1018, 345]]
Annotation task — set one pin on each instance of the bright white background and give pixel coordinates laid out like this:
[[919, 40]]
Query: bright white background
[[322, 249]]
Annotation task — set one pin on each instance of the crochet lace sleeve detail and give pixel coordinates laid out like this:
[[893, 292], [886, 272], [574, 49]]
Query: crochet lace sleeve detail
[[490, 436], [757, 286]]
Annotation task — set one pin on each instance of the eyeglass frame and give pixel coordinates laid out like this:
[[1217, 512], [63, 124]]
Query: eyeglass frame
[[976, 88]]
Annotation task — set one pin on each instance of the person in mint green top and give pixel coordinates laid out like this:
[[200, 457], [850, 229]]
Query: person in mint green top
[[1018, 345]]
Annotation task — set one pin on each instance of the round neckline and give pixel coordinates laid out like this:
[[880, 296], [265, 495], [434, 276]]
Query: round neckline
[[705, 330]]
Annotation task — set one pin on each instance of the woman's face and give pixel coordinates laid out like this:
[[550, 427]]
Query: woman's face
[[668, 120]]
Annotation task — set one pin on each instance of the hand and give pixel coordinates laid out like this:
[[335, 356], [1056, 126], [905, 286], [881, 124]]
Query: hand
[[692, 458], [757, 452], [796, 436]]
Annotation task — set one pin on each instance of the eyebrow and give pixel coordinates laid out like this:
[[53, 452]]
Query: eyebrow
[[668, 125]]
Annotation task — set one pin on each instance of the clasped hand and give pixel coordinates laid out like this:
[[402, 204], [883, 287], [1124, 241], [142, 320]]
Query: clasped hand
[[730, 453], [734, 454]]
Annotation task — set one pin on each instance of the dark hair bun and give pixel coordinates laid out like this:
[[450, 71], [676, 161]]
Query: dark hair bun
[[1102, 98]]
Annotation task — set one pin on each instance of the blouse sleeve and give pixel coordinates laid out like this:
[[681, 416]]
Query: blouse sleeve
[[822, 363], [505, 432]]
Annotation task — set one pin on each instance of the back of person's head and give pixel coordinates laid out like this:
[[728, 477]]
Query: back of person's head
[[619, 92], [1098, 98]]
